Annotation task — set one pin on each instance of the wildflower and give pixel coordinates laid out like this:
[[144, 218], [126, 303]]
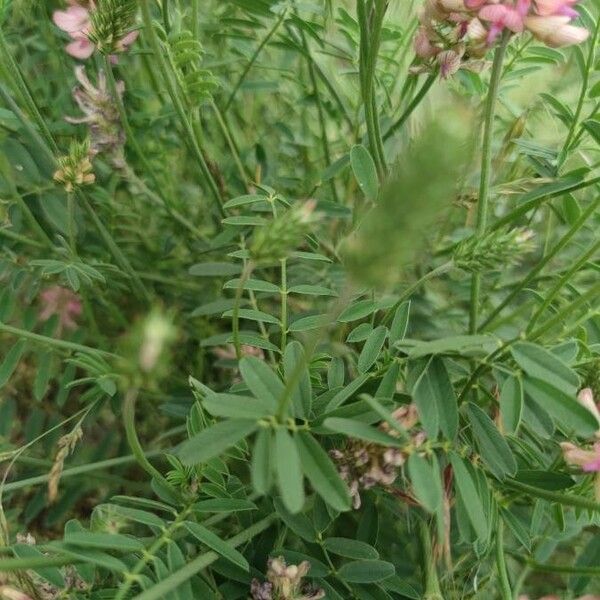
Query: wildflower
[[158, 333], [365, 465], [101, 115], [75, 169], [11, 593], [555, 31], [61, 301], [586, 398], [588, 460], [103, 27], [453, 34], [75, 21], [284, 582]]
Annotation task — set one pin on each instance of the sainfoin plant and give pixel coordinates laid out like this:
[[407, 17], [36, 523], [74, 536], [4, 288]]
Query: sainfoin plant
[[299, 299]]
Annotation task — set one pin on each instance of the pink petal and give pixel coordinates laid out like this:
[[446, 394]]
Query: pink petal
[[513, 21], [493, 12], [80, 48], [75, 18]]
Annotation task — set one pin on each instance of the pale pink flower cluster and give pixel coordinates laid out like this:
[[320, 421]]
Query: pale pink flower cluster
[[62, 302], [587, 460], [456, 33], [76, 21]]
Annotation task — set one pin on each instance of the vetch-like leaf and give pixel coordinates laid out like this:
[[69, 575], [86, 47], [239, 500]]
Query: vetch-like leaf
[[289, 471]]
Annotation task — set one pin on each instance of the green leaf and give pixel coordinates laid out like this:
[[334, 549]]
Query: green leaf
[[358, 310], [511, 404], [261, 381], [214, 441], [302, 392], [261, 467], [563, 408], [218, 505], [308, 323], [50, 574], [10, 362], [254, 315], [364, 171], [256, 285], [214, 269], [372, 349], [436, 402], [289, 471], [462, 345], [214, 542], [426, 482], [300, 524], [244, 221], [467, 488], [400, 323], [546, 480], [361, 431], [321, 473], [543, 364], [360, 333], [105, 541], [311, 290], [350, 548], [238, 407], [366, 571], [494, 450], [244, 200]]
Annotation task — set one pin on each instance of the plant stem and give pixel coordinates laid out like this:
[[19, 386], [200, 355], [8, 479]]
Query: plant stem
[[71, 222], [253, 59], [118, 255], [486, 170], [284, 307], [501, 563], [248, 268], [566, 499], [432, 584], [320, 112], [582, 95], [370, 38], [179, 105], [133, 440], [575, 227], [48, 341], [201, 562], [414, 103]]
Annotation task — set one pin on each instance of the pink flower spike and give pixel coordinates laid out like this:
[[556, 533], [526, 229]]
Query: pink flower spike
[[64, 303], [565, 8], [593, 465], [124, 43]]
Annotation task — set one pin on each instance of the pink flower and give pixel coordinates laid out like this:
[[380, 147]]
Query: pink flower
[[61, 301], [76, 22], [565, 8], [555, 31], [588, 460], [502, 16]]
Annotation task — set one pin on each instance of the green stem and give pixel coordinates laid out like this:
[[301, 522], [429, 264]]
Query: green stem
[[284, 306], [133, 440], [201, 562], [566, 499], [575, 227], [486, 170], [414, 103], [432, 584], [48, 341], [71, 222], [501, 563], [74, 471], [320, 112], [582, 95], [253, 59], [564, 279], [179, 105], [114, 249], [195, 18], [35, 562], [24, 91], [248, 268], [407, 293], [370, 38]]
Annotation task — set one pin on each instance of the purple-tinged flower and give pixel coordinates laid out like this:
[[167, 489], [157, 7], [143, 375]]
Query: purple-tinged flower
[[64, 303]]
